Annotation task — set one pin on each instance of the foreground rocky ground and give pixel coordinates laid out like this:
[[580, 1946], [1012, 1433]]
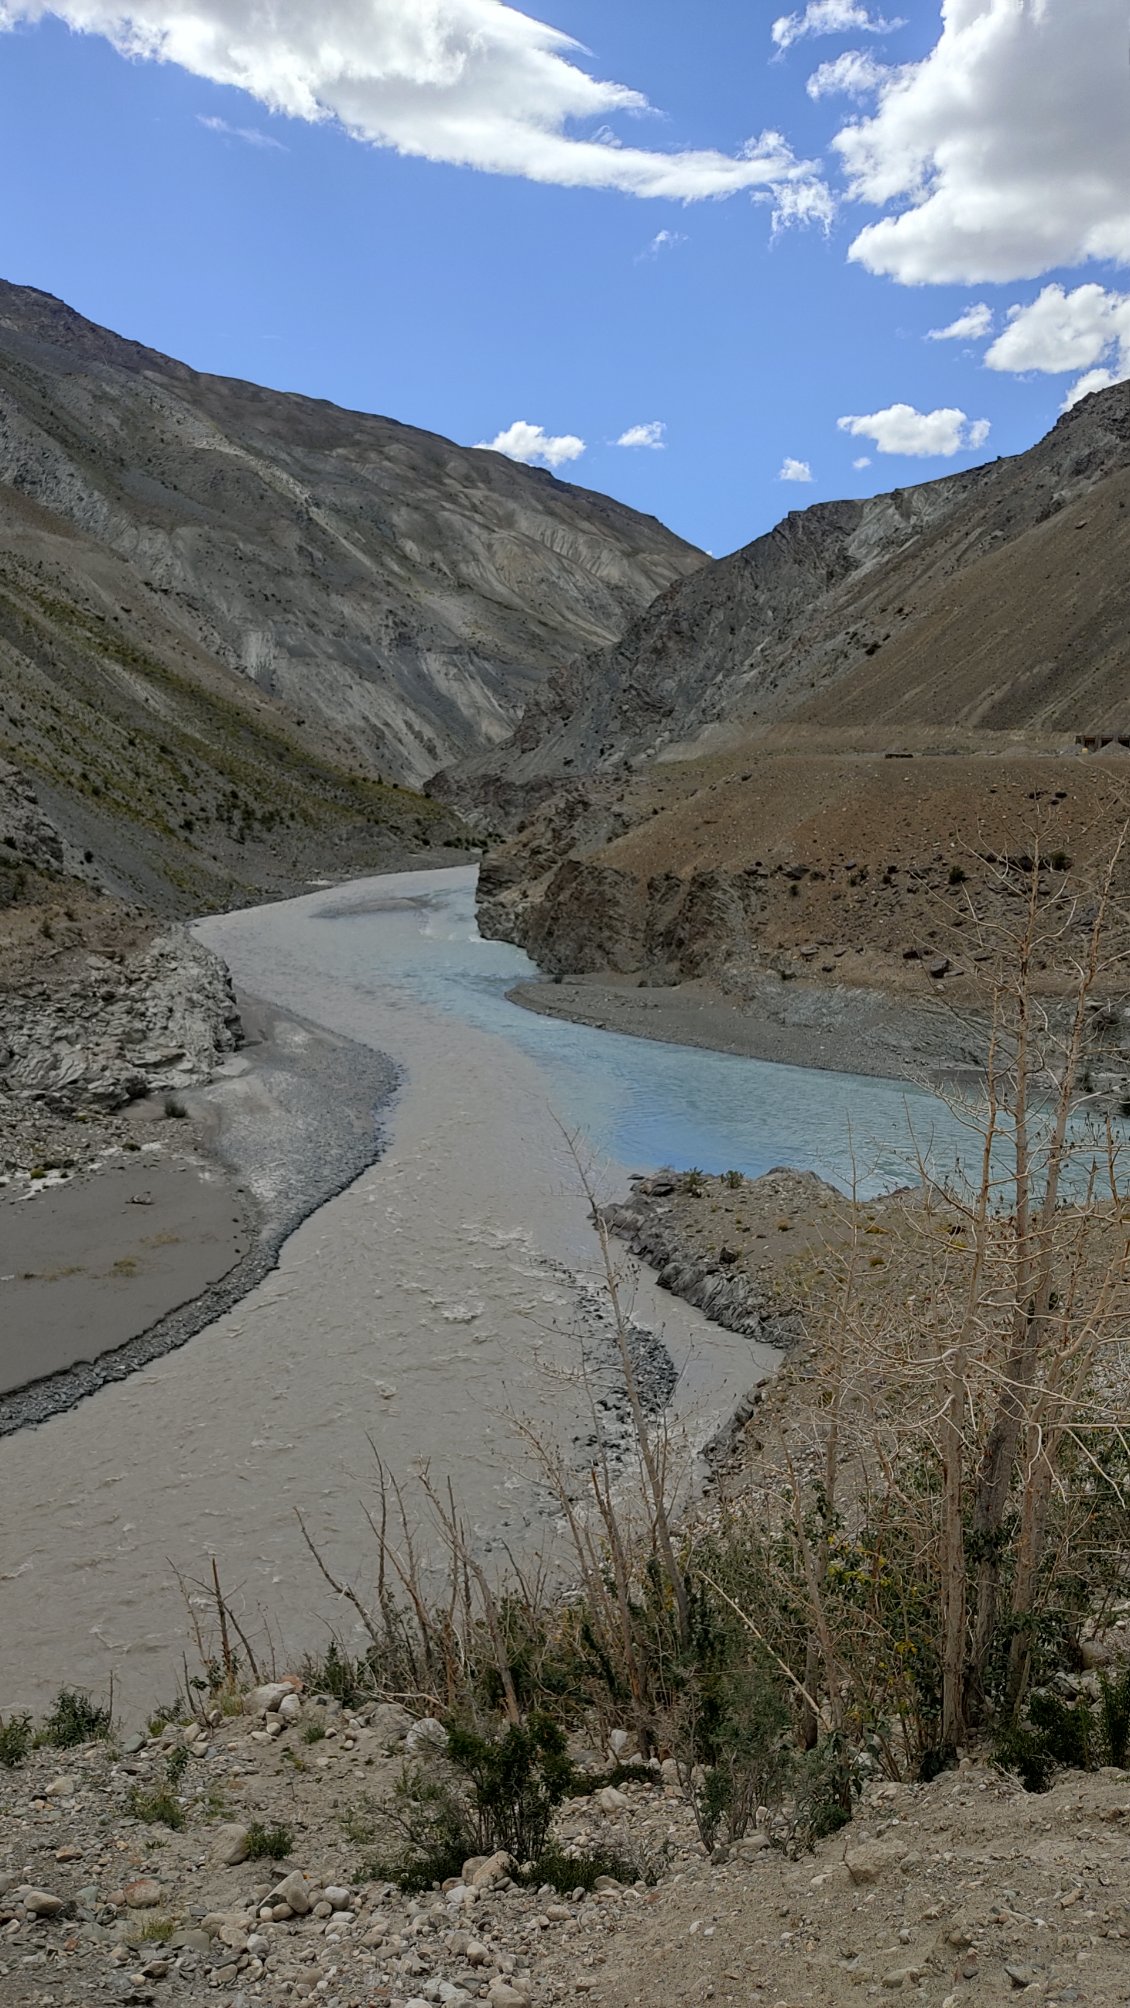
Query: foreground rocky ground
[[964, 1891]]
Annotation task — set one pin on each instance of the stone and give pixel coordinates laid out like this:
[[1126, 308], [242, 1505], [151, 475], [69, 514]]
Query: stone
[[290, 1707], [40, 1902], [427, 1733], [1022, 1976], [230, 1844], [503, 1994], [870, 1861], [292, 1891], [611, 1801], [62, 1788], [475, 1953], [265, 1700], [143, 1894], [495, 1869], [337, 1896], [133, 1744]]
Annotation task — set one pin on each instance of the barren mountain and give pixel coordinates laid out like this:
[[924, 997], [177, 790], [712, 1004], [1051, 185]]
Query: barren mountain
[[410, 591], [807, 759], [994, 598]]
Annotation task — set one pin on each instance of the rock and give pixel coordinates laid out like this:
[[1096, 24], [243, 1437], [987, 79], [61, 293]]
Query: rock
[[504, 1994], [293, 1891], [427, 1733], [870, 1861], [267, 1699], [290, 1707], [230, 1844], [40, 1902], [902, 1976], [1094, 1653], [751, 1845], [143, 1894], [621, 1742], [495, 1869], [133, 1744], [475, 1953], [611, 1801], [1022, 1976], [337, 1896], [62, 1788]]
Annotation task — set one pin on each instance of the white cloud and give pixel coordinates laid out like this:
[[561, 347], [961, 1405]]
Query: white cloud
[[971, 326], [248, 134], [650, 434], [829, 17], [863, 461], [663, 240], [922, 434], [532, 443], [1090, 381], [472, 82], [1005, 152], [1063, 331], [794, 470], [855, 74]]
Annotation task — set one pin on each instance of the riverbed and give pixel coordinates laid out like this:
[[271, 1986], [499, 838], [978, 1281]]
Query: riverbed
[[449, 1295]]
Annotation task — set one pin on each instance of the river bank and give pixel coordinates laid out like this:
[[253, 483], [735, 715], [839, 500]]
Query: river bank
[[144, 1245], [844, 1029]]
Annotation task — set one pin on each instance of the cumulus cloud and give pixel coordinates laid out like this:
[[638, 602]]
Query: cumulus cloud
[[921, 434], [248, 134], [1088, 329], [1004, 152], [533, 445], [472, 82], [829, 17], [794, 470], [650, 434], [855, 74], [971, 326], [863, 461]]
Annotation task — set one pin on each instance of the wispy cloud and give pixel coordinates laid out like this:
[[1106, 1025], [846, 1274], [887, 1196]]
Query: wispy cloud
[[663, 240], [829, 17], [475, 83], [532, 444], [971, 326], [650, 434], [250, 135]]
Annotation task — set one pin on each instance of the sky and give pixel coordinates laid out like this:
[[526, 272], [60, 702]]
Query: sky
[[718, 258]]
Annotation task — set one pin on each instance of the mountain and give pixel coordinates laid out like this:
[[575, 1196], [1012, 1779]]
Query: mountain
[[408, 591], [805, 759], [235, 624], [995, 598]]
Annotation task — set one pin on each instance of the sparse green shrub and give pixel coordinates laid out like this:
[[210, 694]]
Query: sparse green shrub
[[157, 1808], [313, 1732], [693, 1183], [493, 1793], [1114, 1705], [335, 1673], [75, 1719], [15, 1740], [958, 875], [269, 1844], [732, 1179], [566, 1872], [176, 1764]]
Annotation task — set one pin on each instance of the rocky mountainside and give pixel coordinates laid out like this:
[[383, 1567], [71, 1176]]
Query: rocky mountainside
[[995, 598], [810, 759], [404, 593]]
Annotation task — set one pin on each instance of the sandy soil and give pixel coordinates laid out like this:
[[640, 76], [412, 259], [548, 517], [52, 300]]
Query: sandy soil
[[88, 1265]]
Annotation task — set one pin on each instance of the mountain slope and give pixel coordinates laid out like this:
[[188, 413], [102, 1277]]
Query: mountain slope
[[994, 598], [813, 758], [408, 593]]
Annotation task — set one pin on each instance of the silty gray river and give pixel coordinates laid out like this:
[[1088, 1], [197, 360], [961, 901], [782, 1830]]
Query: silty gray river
[[452, 1287]]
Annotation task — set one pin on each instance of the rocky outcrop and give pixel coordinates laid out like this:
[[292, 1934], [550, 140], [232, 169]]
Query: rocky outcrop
[[401, 593], [659, 1226], [586, 916], [105, 1033]]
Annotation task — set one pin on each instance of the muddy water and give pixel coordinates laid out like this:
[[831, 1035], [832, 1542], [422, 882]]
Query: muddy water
[[446, 1292]]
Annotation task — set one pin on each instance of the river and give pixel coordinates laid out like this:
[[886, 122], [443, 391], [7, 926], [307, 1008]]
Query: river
[[450, 1289]]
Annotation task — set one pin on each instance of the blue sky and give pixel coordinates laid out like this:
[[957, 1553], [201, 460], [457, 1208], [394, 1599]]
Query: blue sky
[[247, 204]]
